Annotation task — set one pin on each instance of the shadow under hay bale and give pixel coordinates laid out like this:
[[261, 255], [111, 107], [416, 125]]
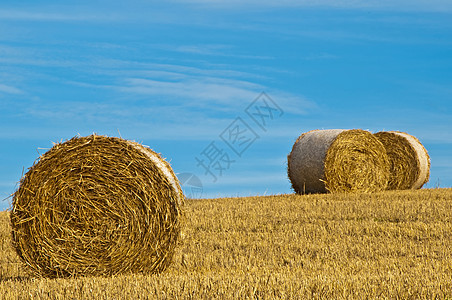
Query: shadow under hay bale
[[338, 160], [97, 205], [409, 160]]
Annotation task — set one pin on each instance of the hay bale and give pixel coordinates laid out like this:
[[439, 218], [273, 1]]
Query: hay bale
[[338, 160], [97, 205], [409, 160]]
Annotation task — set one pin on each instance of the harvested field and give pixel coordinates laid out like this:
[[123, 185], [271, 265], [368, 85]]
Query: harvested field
[[391, 244]]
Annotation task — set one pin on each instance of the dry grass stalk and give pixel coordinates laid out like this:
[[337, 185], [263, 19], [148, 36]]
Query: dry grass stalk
[[97, 205], [410, 162], [388, 245], [338, 160]]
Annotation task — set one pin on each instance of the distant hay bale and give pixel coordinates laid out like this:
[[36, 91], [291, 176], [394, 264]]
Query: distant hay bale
[[409, 160], [97, 205], [338, 160]]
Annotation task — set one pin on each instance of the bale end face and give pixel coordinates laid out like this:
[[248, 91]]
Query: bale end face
[[97, 205], [409, 160], [356, 162]]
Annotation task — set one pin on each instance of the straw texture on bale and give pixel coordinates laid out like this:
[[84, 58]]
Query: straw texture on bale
[[338, 160], [409, 160], [97, 205]]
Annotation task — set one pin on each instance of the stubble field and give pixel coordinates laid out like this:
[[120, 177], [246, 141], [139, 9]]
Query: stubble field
[[394, 244]]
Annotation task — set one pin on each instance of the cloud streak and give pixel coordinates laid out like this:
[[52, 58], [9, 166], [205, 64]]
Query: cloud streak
[[217, 90], [10, 89], [22, 15], [215, 50], [401, 5]]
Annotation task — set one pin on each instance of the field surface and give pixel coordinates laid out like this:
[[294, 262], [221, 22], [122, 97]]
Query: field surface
[[395, 244]]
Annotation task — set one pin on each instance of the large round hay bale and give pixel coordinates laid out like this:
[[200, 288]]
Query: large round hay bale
[[338, 160], [97, 205], [409, 160]]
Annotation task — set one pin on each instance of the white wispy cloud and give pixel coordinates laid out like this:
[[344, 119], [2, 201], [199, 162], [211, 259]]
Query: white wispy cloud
[[402, 5], [208, 49], [10, 89], [216, 50], [435, 135], [23, 15], [212, 89], [192, 100]]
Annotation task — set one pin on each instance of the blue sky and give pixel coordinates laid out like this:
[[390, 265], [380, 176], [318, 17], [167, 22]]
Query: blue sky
[[177, 75]]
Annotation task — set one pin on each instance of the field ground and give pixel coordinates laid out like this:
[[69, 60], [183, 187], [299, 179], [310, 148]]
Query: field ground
[[395, 244]]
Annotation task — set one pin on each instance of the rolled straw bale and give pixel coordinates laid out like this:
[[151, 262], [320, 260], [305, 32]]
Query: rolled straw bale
[[338, 160], [409, 160], [97, 205]]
